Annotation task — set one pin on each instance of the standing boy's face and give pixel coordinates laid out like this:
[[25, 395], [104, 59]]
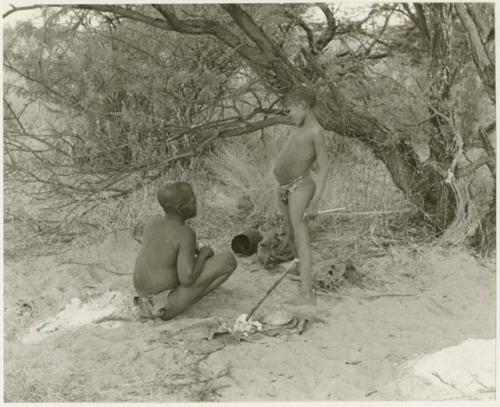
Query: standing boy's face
[[297, 112]]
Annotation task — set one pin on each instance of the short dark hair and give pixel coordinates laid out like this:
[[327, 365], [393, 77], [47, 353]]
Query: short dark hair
[[173, 195], [301, 93]]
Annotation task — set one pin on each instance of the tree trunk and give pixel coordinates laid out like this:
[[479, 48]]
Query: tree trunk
[[482, 44], [484, 238], [422, 185], [445, 144]]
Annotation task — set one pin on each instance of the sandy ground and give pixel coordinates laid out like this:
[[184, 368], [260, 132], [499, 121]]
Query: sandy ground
[[358, 344]]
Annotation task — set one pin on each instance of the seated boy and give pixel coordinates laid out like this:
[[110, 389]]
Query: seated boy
[[297, 190], [170, 272]]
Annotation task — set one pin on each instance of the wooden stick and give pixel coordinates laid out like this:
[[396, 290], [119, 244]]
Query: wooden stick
[[375, 212], [278, 280], [326, 211], [331, 210]]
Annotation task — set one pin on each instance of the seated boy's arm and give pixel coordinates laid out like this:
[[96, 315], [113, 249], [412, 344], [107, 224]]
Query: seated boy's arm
[[189, 265]]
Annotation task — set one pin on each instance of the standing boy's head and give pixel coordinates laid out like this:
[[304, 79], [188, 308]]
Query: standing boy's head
[[299, 101], [177, 197]]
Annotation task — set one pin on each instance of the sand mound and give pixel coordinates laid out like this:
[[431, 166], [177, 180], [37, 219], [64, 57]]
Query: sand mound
[[110, 306], [463, 371]]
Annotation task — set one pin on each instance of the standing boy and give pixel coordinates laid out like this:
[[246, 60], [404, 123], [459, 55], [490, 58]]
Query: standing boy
[[297, 190], [170, 272]]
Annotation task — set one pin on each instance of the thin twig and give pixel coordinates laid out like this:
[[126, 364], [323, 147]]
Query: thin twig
[[372, 212], [99, 265]]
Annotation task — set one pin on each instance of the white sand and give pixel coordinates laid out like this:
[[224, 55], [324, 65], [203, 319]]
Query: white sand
[[112, 305], [463, 371], [356, 349]]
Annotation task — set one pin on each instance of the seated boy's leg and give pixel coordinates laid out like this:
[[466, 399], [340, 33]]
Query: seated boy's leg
[[299, 200], [216, 270]]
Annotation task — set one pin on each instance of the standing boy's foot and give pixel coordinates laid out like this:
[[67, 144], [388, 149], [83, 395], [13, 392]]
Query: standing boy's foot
[[303, 300], [308, 298], [294, 271]]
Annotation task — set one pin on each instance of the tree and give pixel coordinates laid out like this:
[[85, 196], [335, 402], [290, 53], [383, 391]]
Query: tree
[[263, 53], [477, 20], [130, 111]]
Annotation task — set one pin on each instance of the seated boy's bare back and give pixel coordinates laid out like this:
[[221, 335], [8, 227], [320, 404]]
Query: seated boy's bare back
[[156, 264], [170, 273]]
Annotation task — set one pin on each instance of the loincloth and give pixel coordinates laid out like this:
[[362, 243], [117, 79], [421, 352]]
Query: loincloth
[[290, 186], [153, 305]]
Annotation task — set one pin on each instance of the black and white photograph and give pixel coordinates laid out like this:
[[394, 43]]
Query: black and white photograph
[[249, 202]]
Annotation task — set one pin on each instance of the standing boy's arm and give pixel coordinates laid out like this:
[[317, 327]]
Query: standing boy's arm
[[188, 265], [323, 165]]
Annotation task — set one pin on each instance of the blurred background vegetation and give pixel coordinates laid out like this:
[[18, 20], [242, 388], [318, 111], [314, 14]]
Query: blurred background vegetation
[[102, 103]]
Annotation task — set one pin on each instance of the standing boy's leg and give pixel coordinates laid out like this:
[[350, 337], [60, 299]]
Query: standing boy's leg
[[298, 201], [216, 270], [287, 226]]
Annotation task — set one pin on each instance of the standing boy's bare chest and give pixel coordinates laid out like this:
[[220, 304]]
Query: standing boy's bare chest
[[298, 146]]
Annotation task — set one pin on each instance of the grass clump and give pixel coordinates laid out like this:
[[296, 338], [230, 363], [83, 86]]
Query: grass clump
[[243, 173]]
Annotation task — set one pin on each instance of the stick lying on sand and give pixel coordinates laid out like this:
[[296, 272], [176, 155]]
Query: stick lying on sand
[[288, 269], [325, 211], [330, 210]]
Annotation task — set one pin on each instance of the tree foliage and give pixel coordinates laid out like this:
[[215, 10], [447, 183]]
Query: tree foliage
[[136, 88]]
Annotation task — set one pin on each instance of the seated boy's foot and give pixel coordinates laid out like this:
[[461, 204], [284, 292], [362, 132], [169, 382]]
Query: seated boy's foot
[[152, 306], [163, 314], [143, 307]]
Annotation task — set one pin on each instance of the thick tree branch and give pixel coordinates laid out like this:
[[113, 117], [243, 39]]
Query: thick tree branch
[[381, 32], [476, 12], [309, 33], [276, 63], [206, 27], [422, 22], [484, 64], [120, 11], [249, 127], [418, 18], [16, 9], [473, 167], [192, 26], [331, 27], [407, 12], [490, 151], [229, 127], [252, 30]]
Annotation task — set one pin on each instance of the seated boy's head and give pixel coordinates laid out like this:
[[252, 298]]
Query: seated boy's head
[[177, 197], [298, 101]]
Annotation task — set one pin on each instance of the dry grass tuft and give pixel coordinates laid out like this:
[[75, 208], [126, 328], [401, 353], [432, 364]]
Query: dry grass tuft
[[244, 173], [235, 190]]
